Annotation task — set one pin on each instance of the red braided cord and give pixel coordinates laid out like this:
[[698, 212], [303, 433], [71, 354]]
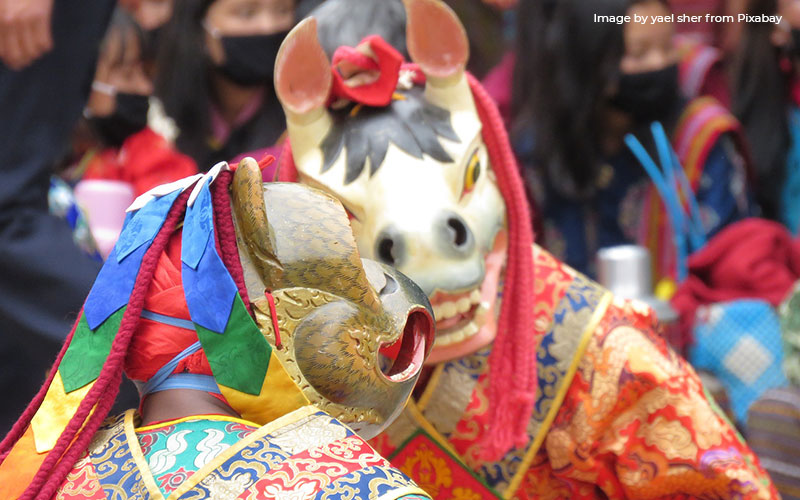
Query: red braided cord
[[226, 232], [512, 363], [22, 423], [75, 438]]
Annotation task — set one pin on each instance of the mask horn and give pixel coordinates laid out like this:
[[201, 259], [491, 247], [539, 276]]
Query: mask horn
[[251, 213]]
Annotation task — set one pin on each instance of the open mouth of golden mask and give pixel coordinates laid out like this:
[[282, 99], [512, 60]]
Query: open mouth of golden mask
[[402, 359]]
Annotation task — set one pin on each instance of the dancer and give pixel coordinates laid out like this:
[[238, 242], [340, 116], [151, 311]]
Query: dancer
[[540, 384], [249, 331]]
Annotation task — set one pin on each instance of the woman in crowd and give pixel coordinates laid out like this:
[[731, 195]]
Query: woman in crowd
[[767, 100], [214, 75], [117, 115], [569, 125]]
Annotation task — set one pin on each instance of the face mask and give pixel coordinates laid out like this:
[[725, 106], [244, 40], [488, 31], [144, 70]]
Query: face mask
[[129, 117], [250, 60], [649, 95]]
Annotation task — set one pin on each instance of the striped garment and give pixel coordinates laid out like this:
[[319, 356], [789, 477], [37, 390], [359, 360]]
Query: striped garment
[[774, 434]]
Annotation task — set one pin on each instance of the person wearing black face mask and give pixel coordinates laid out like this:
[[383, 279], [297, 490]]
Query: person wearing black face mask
[[648, 95], [249, 59], [117, 116], [129, 117], [579, 89], [221, 97]]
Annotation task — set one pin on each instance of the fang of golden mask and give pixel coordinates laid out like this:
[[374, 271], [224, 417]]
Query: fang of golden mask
[[352, 334], [415, 175]]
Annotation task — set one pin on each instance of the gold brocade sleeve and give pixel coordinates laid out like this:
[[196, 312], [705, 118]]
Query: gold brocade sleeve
[[637, 423]]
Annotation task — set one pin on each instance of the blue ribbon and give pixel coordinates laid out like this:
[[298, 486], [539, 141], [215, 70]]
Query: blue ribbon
[[114, 284], [671, 182], [208, 286]]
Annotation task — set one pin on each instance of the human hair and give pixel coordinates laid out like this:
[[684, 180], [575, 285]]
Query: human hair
[[347, 22], [760, 95], [567, 66], [182, 81]]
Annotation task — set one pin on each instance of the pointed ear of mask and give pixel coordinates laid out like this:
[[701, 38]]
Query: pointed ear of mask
[[303, 82], [303, 76], [436, 41], [248, 203], [286, 250]]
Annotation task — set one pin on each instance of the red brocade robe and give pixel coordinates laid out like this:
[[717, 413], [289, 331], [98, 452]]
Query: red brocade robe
[[618, 414]]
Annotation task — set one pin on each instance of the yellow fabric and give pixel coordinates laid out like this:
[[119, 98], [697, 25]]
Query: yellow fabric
[[55, 413], [279, 396], [19, 467]]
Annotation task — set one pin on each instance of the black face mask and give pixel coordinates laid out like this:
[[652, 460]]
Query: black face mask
[[250, 60], [648, 96], [129, 117]]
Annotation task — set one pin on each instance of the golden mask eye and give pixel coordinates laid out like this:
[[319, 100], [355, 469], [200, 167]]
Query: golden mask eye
[[473, 172]]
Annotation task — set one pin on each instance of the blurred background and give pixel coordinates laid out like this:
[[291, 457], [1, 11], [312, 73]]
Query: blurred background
[[662, 159]]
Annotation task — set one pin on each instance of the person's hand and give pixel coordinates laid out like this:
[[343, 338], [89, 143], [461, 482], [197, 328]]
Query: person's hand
[[25, 32]]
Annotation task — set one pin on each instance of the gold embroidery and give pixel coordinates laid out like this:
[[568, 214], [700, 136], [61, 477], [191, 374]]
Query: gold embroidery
[[430, 471]]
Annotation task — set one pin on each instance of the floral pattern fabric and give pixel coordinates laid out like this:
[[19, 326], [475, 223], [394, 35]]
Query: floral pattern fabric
[[618, 413], [304, 455]]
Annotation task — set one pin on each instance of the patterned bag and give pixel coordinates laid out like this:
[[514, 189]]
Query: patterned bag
[[773, 431], [740, 343]]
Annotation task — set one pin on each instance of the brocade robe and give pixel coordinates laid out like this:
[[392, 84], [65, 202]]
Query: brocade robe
[[303, 455], [617, 415]]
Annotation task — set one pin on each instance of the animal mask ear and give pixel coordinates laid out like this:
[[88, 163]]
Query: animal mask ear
[[248, 204], [303, 76], [286, 250], [436, 40]]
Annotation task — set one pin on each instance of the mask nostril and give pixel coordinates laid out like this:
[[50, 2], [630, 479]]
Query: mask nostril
[[385, 248], [459, 231]]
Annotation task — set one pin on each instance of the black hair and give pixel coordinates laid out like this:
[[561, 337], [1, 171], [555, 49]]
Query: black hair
[[347, 22], [760, 95], [182, 69], [183, 84], [566, 67], [410, 123]]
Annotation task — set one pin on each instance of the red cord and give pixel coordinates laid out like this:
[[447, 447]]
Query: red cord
[[274, 315]]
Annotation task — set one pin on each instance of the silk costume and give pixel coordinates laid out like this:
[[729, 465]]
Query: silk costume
[[617, 412], [260, 334], [614, 411]]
